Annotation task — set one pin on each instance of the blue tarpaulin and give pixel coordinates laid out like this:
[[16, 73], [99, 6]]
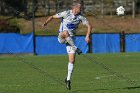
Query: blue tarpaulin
[[50, 45], [81, 43], [16, 43], [105, 43], [132, 43]]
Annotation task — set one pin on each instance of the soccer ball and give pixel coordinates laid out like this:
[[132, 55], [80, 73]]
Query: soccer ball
[[120, 11]]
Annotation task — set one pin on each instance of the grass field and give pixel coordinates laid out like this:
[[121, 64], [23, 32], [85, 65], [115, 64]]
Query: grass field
[[46, 74]]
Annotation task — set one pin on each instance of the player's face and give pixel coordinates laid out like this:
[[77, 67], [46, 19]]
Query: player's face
[[77, 10]]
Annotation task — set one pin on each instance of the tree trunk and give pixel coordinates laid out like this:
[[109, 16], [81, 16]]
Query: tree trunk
[[102, 8], [25, 7], [56, 6], [44, 5], [48, 7], [82, 3], [133, 9], [0, 7]]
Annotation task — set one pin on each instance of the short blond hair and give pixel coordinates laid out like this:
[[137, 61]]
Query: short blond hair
[[76, 4]]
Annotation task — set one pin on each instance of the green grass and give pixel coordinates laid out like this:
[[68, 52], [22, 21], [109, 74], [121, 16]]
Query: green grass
[[46, 74]]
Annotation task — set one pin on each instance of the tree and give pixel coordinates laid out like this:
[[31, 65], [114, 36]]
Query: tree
[[49, 6], [109, 4], [133, 8], [82, 3], [56, 5], [138, 6]]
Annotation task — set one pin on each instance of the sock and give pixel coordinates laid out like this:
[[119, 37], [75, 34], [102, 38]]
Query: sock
[[70, 69], [70, 41]]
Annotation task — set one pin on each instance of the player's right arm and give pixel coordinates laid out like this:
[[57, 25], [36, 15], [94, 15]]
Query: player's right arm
[[49, 19], [59, 15]]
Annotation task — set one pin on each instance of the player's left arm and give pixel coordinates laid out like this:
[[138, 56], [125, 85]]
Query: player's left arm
[[49, 19], [89, 28]]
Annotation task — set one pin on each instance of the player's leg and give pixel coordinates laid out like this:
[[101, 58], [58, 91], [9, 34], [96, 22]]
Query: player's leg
[[71, 55], [61, 38], [65, 36], [68, 38], [70, 64]]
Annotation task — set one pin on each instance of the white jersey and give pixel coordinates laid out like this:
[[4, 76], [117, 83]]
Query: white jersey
[[70, 21]]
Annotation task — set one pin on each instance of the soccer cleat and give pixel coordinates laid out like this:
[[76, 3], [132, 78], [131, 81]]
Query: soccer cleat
[[78, 51], [68, 86]]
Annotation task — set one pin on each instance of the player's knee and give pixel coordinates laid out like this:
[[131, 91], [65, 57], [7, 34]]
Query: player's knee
[[66, 34], [72, 61], [62, 41]]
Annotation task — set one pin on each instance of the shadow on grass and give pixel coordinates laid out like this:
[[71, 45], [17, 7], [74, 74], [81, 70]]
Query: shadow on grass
[[106, 89]]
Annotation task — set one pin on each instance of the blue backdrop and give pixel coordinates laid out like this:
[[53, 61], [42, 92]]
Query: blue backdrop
[[81, 43], [132, 43], [16, 43], [101, 43], [50, 45], [105, 43]]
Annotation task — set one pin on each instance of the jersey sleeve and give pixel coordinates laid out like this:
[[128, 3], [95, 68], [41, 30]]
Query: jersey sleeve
[[84, 20], [61, 14]]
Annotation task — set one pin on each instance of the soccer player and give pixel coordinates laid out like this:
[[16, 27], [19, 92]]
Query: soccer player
[[70, 21]]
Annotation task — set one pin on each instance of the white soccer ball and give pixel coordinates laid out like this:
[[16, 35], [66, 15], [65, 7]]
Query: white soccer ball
[[120, 11]]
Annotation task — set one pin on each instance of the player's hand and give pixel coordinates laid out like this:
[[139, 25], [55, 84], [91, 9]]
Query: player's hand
[[44, 24], [87, 39]]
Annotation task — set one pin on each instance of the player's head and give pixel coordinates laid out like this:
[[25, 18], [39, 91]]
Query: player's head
[[76, 8]]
